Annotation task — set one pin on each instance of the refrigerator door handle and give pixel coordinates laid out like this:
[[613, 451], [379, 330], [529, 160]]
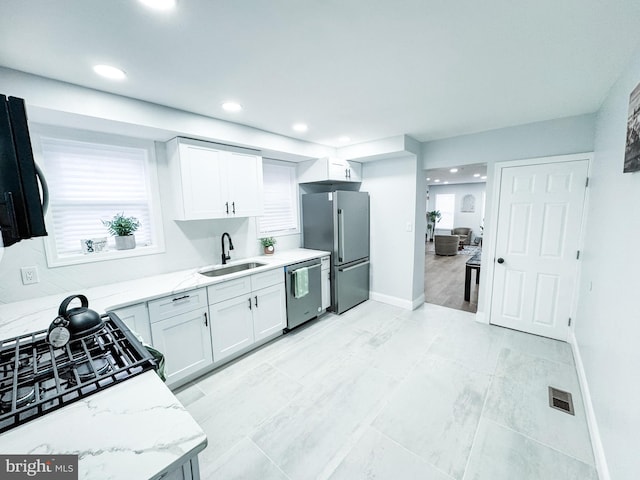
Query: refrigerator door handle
[[340, 235], [353, 266]]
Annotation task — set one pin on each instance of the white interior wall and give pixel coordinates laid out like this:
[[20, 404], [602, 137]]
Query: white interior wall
[[471, 220], [391, 184], [420, 228], [57, 103], [540, 139], [187, 244], [607, 328]]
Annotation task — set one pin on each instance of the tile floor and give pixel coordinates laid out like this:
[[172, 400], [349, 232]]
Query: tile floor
[[383, 393]]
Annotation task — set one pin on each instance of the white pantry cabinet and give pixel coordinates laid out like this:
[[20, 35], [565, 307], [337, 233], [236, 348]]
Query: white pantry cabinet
[[214, 181], [328, 170], [180, 330], [245, 312], [136, 317]]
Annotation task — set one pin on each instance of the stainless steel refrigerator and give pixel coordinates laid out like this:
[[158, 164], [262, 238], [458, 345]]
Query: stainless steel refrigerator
[[339, 222]]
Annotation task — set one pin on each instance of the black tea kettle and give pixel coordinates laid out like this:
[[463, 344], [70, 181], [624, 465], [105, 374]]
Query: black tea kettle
[[73, 323]]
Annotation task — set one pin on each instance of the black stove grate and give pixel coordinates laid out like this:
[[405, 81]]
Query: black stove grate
[[36, 378]]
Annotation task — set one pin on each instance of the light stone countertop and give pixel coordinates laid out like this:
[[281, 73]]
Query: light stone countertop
[[135, 429], [138, 428], [36, 314]]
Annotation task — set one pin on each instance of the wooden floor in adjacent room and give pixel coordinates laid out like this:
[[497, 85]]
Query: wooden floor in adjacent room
[[444, 280]]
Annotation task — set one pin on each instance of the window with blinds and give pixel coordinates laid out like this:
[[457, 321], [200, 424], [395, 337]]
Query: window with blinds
[[91, 182], [446, 204], [280, 199]]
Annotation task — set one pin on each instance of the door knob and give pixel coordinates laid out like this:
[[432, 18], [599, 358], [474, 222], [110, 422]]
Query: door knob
[[500, 260]]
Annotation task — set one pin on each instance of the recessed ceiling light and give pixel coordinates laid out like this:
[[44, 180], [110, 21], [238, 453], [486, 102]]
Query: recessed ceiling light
[[476, 175], [428, 178], [159, 4], [484, 177], [108, 71], [232, 106], [446, 183], [344, 139], [454, 170], [300, 127], [437, 180]]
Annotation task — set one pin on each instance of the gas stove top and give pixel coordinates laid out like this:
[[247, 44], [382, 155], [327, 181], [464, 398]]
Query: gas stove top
[[36, 378]]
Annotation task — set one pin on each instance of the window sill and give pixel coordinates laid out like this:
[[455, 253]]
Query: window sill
[[78, 259]]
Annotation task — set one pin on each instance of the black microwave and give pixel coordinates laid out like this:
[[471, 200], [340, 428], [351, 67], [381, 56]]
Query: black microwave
[[21, 201]]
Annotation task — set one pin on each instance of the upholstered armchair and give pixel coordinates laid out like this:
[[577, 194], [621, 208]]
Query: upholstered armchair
[[446, 244], [464, 233]]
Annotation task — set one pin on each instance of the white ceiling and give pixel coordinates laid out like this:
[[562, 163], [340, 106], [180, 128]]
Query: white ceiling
[[362, 68], [465, 174]]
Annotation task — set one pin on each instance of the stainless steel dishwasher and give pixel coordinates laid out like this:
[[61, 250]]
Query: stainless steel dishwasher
[[303, 305]]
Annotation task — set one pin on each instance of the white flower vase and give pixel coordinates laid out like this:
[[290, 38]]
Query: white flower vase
[[125, 242]]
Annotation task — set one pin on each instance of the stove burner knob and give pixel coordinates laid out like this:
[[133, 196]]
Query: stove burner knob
[[59, 334]]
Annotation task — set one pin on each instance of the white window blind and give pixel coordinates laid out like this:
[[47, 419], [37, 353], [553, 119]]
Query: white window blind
[[446, 204], [280, 198], [90, 182]]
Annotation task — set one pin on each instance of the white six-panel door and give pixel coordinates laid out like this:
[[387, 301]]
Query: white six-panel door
[[537, 239]]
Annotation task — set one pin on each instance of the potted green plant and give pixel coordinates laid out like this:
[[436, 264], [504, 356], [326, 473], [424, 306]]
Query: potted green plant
[[433, 217], [122, 228], [268, 245]]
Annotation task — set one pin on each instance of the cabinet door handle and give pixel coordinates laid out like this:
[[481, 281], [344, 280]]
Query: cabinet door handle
[[184, 297], [206, 320], [349, 173], [249, 303], [226, 204], [233, 204], [256, 299], [346, 173]]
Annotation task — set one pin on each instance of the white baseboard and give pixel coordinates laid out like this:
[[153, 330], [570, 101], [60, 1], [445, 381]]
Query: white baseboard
[[417, 302], [395, 301], [594, 432], [482, 318]]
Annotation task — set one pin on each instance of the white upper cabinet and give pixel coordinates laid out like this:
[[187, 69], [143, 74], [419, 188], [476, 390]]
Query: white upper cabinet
[[328, 170], [244, 177], [214, 182]]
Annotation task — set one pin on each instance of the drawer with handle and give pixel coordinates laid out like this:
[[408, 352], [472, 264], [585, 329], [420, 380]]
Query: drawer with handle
[[266, 279], [167, 307], [222, 291]]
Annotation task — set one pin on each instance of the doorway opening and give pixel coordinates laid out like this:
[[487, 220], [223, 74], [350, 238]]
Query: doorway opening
[[455, 210]]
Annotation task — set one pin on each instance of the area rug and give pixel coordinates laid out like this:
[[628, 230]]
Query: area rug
[[470, 250]]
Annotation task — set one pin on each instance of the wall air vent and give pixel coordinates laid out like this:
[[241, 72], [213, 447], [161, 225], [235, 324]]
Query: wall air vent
[[561, 400]]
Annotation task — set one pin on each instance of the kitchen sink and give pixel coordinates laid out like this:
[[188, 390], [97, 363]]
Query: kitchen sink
[[240, 267]]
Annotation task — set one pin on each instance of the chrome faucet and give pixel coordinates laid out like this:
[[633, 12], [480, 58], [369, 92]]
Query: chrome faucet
[[227, 256]]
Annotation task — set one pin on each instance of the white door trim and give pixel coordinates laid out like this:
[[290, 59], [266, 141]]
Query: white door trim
[[489, 238]]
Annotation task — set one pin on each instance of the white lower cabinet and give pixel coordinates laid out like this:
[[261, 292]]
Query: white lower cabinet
[[194, 328], [136, 317], [253, 315], [269, 312], [325, 285], [189, 470], [185, 341], [231, 326]]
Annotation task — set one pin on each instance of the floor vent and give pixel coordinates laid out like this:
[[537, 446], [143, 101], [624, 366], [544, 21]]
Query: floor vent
[[561, 400]]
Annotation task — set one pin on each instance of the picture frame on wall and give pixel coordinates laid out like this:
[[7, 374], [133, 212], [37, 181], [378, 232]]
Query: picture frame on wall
[[632, 149], [468, 204]]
